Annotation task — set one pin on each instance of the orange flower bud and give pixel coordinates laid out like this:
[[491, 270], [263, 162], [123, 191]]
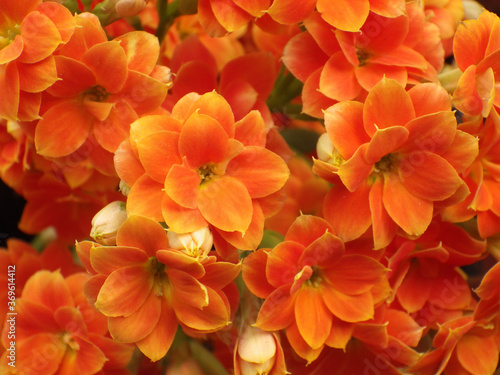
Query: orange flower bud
[[106, 222], [130, 8]]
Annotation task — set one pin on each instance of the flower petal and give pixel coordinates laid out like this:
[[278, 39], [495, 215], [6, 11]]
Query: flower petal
[[181, 219], [277, 312], [124, 291], [187, 290], [349, 308], [142, 233], [202, 140], [145, 198], [65, 121], [313, 318], [106, 259], [225, 203], [40, 37], [411, 213], [181, 185], [338, 79]]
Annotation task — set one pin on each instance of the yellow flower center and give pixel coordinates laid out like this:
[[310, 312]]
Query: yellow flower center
[[96, 94], [157, 269], [70, 341], [386, 164], [8, 33], [363, 57], [206, 172], [315, 279]]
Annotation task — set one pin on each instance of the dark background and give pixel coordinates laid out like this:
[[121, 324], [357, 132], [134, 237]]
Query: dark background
[[11, 204]]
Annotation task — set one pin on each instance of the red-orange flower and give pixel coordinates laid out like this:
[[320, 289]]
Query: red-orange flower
[[199, 167], [403, 48], [58, 332], [30, 32], [462, 346], [393, 158], [103, 86], [147, 289], [477, 50], [312, 287]]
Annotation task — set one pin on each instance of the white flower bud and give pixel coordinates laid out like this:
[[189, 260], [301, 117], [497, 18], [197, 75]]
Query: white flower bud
[[197, 244], [106, 222]]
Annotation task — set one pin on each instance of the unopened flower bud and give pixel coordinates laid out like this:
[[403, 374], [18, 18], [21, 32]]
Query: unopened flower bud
[[197, 244], [258, 353], [124, 188], [106, 222], [130, 8], [327, 152]]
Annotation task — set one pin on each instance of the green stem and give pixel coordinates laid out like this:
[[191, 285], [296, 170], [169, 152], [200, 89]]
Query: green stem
[[167, 13], [210, 364]]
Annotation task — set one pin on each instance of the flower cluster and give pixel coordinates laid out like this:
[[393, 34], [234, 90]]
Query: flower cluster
[[257, 187]]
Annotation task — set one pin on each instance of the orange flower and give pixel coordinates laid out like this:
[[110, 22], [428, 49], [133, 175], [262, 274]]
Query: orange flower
[[352, 15], [103, 86], [476, 51], [30, 32], [218, 18], [59, 332], [202, 168], [27, 261], [147, 289], [311, 272], [488, 291], [481, 178], [403, 48], [446, 15], [386, 154], [462, 346], [51, 202]]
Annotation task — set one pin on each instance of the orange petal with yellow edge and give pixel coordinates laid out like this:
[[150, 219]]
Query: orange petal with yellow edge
[[326, 251], [143, 233], [181, 219], [29, 106], [229, 15], [124, 291], [220, 274], [12, 50], [313, 318], [156, 344], [212, 317], [158, 152], [250, 130], [202, 141], [300, 346], [286, 12], [411, 213], [314, 102], [349, 308], [225, 203], [145, 197], [62, 18], [429, 98], [466, 96], [340, 334], [106, 259], [277, 311], [135, 327], [141, 49], [344, 14], [186, 289], [387, 104], [175, 259]]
